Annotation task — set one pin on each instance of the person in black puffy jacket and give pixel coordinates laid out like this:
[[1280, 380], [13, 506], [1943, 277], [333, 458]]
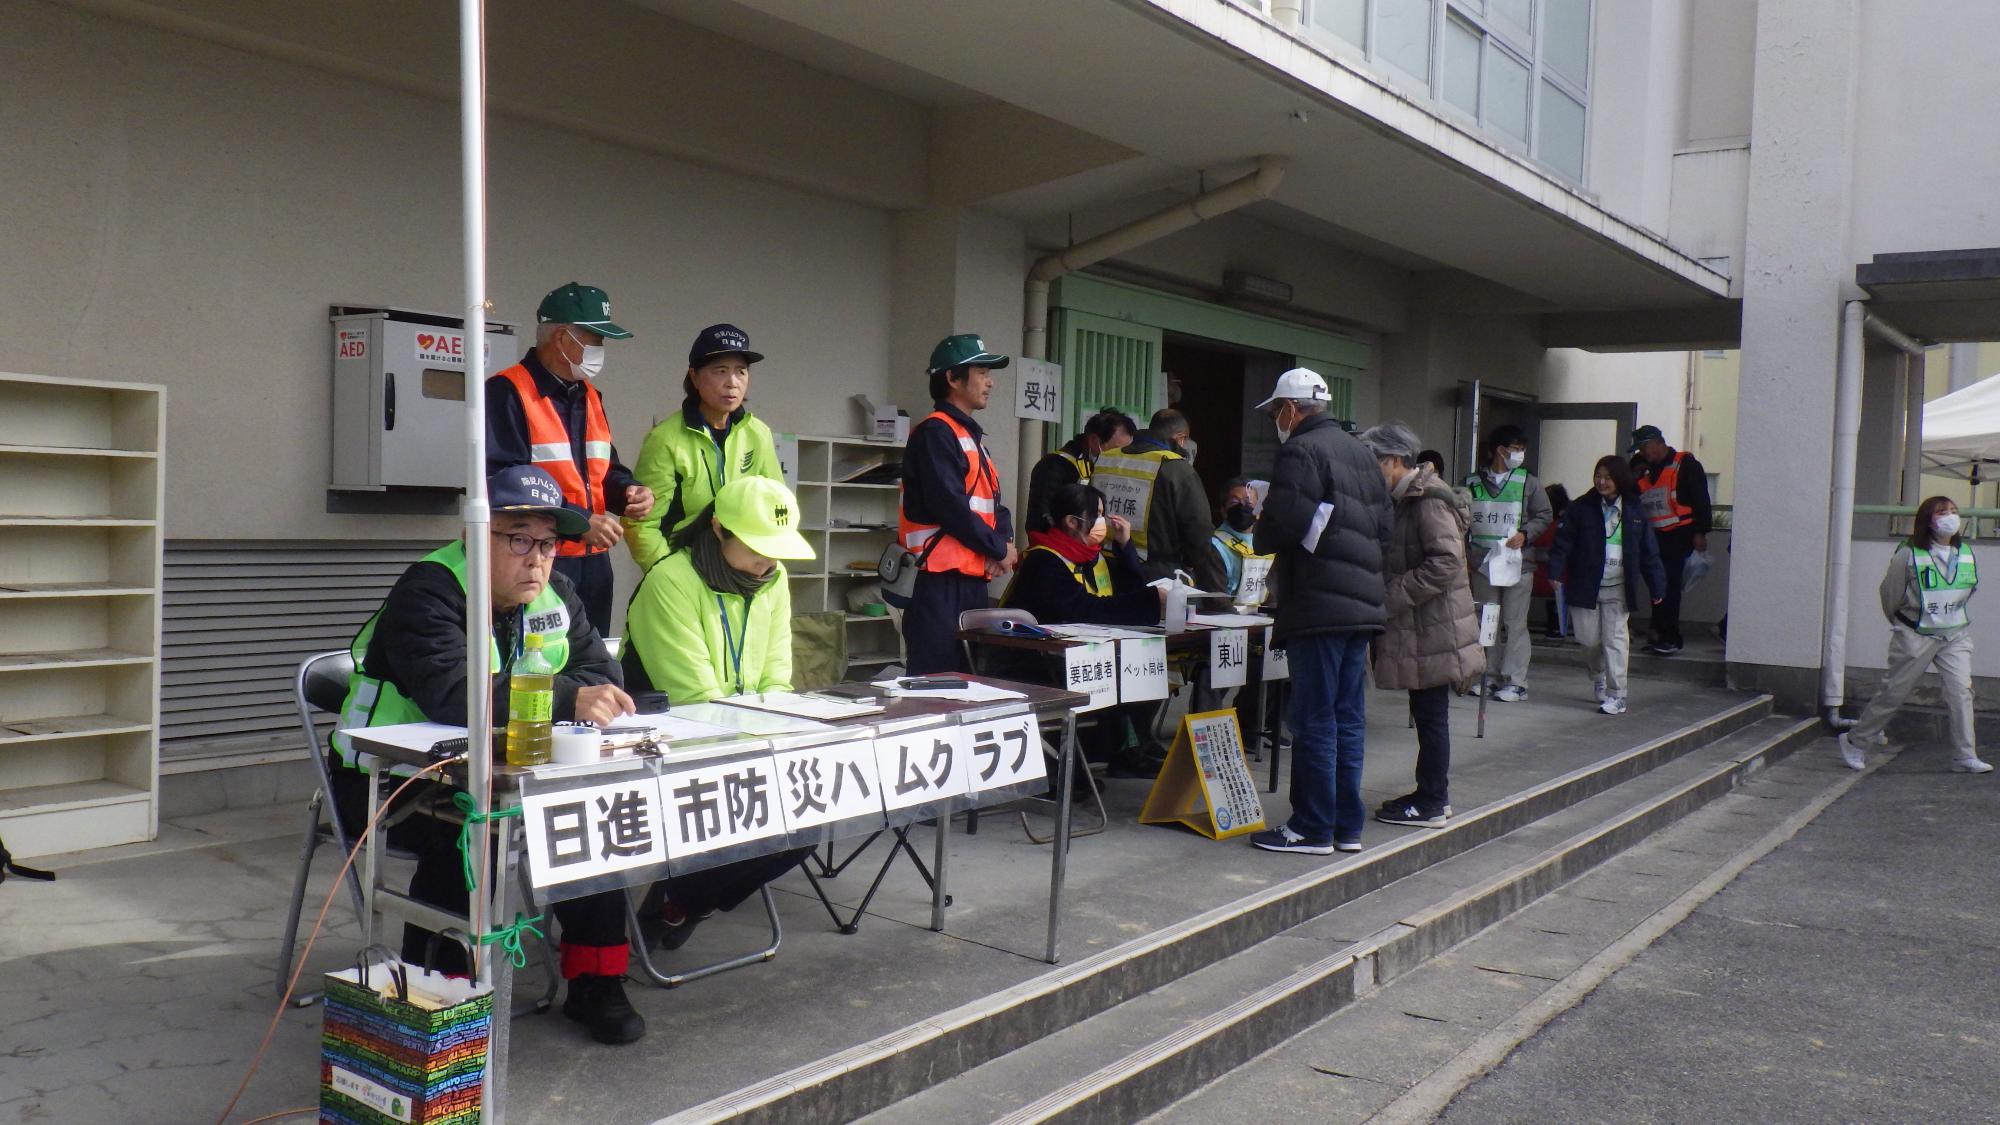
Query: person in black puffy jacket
[[1327, 520]]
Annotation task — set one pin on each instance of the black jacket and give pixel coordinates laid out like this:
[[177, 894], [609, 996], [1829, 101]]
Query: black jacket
[[1335, 585], [1690, 488], [419, 645], [507, 430], [1179, 523], [1050, 473], [934, 485], [1577, 558], [1044, 586]]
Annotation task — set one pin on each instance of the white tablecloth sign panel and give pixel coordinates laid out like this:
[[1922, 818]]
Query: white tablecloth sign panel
[[594, 830], [717, 806], [1142, 669], [1092, 669], [834, 782]]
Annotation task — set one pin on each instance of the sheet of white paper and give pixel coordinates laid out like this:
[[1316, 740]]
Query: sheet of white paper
[[1322, 515], [1232, 620], [1489, 624], [1228, 658], [1097, 632], [970, 693], [742, 720], [1277, 664], [823, 784], [676, 728], [802, 706]]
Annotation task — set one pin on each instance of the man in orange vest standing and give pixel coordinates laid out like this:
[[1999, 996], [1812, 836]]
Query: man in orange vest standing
[[1673, 488], [951, 517], [543, 411]]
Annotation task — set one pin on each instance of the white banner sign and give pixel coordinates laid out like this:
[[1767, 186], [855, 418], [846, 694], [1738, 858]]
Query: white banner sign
[[823, 784], [1277, 663], [1228, 658], [714, 806], [921, 766], [1142, 669], [1004, 752], [1037, 389], [583, 833], [1093, 670]]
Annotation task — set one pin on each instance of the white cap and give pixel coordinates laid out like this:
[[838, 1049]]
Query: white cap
[[1298, 383]]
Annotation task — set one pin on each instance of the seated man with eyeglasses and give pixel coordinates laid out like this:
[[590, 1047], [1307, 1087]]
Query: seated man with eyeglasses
[[410, 667]]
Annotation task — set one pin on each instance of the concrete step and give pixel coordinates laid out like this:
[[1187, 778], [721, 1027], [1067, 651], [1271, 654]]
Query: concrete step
[[876, 1074], [1403, 1052], [1157, 1047]]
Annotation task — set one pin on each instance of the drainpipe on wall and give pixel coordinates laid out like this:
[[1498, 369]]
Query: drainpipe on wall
[[1855, 325], [1035, 337], [1913, 426], [1287, 14]]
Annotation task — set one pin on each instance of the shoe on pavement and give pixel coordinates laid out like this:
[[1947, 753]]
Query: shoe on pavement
[[1347, 845], [1599, 685], [1406, 799], [1851, 752], [599, 1003], [1283, 839], [1476, 689], [1412, 815], [1970, 765], [1511, 693], [1663, 648], [1612, 705]]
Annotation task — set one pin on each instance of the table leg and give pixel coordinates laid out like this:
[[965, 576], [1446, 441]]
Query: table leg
[[503, 978], [1059, 851], [938, 897], [371, 852]]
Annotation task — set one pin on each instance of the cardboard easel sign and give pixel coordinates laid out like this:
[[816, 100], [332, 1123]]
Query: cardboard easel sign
[[1205, 783]]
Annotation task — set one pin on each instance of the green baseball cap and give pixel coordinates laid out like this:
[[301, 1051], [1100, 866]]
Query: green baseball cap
[[765, 515], [585, 306], [966, 350]]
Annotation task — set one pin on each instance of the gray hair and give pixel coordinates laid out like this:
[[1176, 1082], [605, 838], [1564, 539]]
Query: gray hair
[[545, 331], [1392, 439], [1306, 406]]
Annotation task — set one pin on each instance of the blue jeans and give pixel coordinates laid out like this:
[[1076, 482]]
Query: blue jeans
[[1328, 717]]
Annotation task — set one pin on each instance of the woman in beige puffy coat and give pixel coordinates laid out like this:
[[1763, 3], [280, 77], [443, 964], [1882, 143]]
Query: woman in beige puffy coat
[[1431, 640]]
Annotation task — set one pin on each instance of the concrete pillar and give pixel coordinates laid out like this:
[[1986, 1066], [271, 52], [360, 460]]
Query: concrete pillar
[[1798, 266]]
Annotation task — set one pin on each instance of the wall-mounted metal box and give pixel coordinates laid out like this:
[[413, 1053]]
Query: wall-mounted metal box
[[399, 396]]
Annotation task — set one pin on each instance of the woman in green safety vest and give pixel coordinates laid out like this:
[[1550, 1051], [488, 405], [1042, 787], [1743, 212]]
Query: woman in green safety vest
[[713, 620], [1509, 510], [711, 440], [1931, 577]]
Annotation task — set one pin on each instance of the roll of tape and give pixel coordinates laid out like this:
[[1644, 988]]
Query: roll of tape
[[577, 745]]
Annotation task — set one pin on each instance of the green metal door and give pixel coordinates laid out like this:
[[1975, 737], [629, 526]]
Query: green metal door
[[1105, 362]]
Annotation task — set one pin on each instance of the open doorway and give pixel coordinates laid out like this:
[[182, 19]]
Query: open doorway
[[1218, 383]]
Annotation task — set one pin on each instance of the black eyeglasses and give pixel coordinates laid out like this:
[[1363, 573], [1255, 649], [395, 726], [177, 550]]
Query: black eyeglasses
[[522, 544]]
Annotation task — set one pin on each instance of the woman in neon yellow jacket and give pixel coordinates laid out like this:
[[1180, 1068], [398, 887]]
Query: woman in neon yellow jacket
[[715, 618], [711, 440]]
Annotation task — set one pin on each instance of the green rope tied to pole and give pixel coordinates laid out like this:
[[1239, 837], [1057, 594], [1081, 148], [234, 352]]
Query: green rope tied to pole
[[464, 802], [510, 937]]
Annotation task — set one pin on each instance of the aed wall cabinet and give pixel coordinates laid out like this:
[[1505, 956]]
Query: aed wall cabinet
[[399, 397]]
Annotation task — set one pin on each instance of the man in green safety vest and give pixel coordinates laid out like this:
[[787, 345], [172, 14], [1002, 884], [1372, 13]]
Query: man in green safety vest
[[1509, 509], [409, 666], [1152, 485]]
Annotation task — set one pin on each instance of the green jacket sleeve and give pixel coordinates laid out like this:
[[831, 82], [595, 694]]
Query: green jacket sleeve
[[774, 621], [666, 623], [655, 470]]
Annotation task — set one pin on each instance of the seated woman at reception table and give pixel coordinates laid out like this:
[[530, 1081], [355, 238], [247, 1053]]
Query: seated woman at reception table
[[714, 619], [1083, 570]]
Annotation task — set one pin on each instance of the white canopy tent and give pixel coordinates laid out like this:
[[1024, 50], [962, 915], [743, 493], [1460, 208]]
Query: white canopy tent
[[1962, 432]]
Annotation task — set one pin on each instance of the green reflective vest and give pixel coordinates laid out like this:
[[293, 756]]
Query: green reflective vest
[[1126, 479], [373, 702], [1941, 595], [684, 467], [697, 644], [1496, 515]]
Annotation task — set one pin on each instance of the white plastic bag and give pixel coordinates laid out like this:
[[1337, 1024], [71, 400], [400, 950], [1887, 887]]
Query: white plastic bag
[[1697, 569], [1503, 566]]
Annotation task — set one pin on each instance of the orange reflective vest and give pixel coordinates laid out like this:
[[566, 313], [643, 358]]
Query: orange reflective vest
[[982, 490], [551, 452], [1660, 496]]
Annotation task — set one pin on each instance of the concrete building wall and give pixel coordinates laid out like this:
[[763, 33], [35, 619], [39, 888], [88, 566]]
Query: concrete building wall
[[1721, 68], [182, 211], [1637, 105]]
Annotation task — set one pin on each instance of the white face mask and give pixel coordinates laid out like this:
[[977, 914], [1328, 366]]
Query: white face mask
[[1284, 432], [591, 364], [1515, 457], [1945, 524], [1188, 450]]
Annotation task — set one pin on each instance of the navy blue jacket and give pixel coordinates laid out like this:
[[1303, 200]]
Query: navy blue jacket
[[1577, 559], [934, 485], [507, 442]]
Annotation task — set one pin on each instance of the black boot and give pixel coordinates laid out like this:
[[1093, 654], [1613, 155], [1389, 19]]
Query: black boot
[[599, 1003]]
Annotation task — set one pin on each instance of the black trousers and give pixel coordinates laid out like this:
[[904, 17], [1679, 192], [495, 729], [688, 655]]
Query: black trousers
[[1675, 547], [1431, 708], [591, 575], [930, 625], [594, 920], [726, 887]]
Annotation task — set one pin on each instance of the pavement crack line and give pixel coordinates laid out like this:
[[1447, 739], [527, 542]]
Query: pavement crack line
[[1332, 1073], [1515, 973], [1429, 1097]]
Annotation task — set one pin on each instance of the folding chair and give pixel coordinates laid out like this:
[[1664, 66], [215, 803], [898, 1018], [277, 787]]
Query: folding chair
[[643, 955], [987, 619]]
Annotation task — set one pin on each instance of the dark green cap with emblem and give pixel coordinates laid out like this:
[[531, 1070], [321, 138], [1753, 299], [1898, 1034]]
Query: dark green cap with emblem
[[966, 350], [585, 306]]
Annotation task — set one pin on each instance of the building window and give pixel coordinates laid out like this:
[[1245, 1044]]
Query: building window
[[1519, 68]]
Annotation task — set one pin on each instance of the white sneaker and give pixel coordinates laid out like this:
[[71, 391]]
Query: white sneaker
[[1511, 693], [1970, 765], [1851, 752], [1603, 693], [1612, 705]]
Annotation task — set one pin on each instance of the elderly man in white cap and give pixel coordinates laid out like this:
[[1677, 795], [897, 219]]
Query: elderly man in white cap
[[1327, 520]]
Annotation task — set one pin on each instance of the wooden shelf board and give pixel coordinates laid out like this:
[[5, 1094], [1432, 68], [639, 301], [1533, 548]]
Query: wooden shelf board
[[69, 795], [71, 521], [71, 590], [77, 451], [15, 731], [865, 617], [76, 658]]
